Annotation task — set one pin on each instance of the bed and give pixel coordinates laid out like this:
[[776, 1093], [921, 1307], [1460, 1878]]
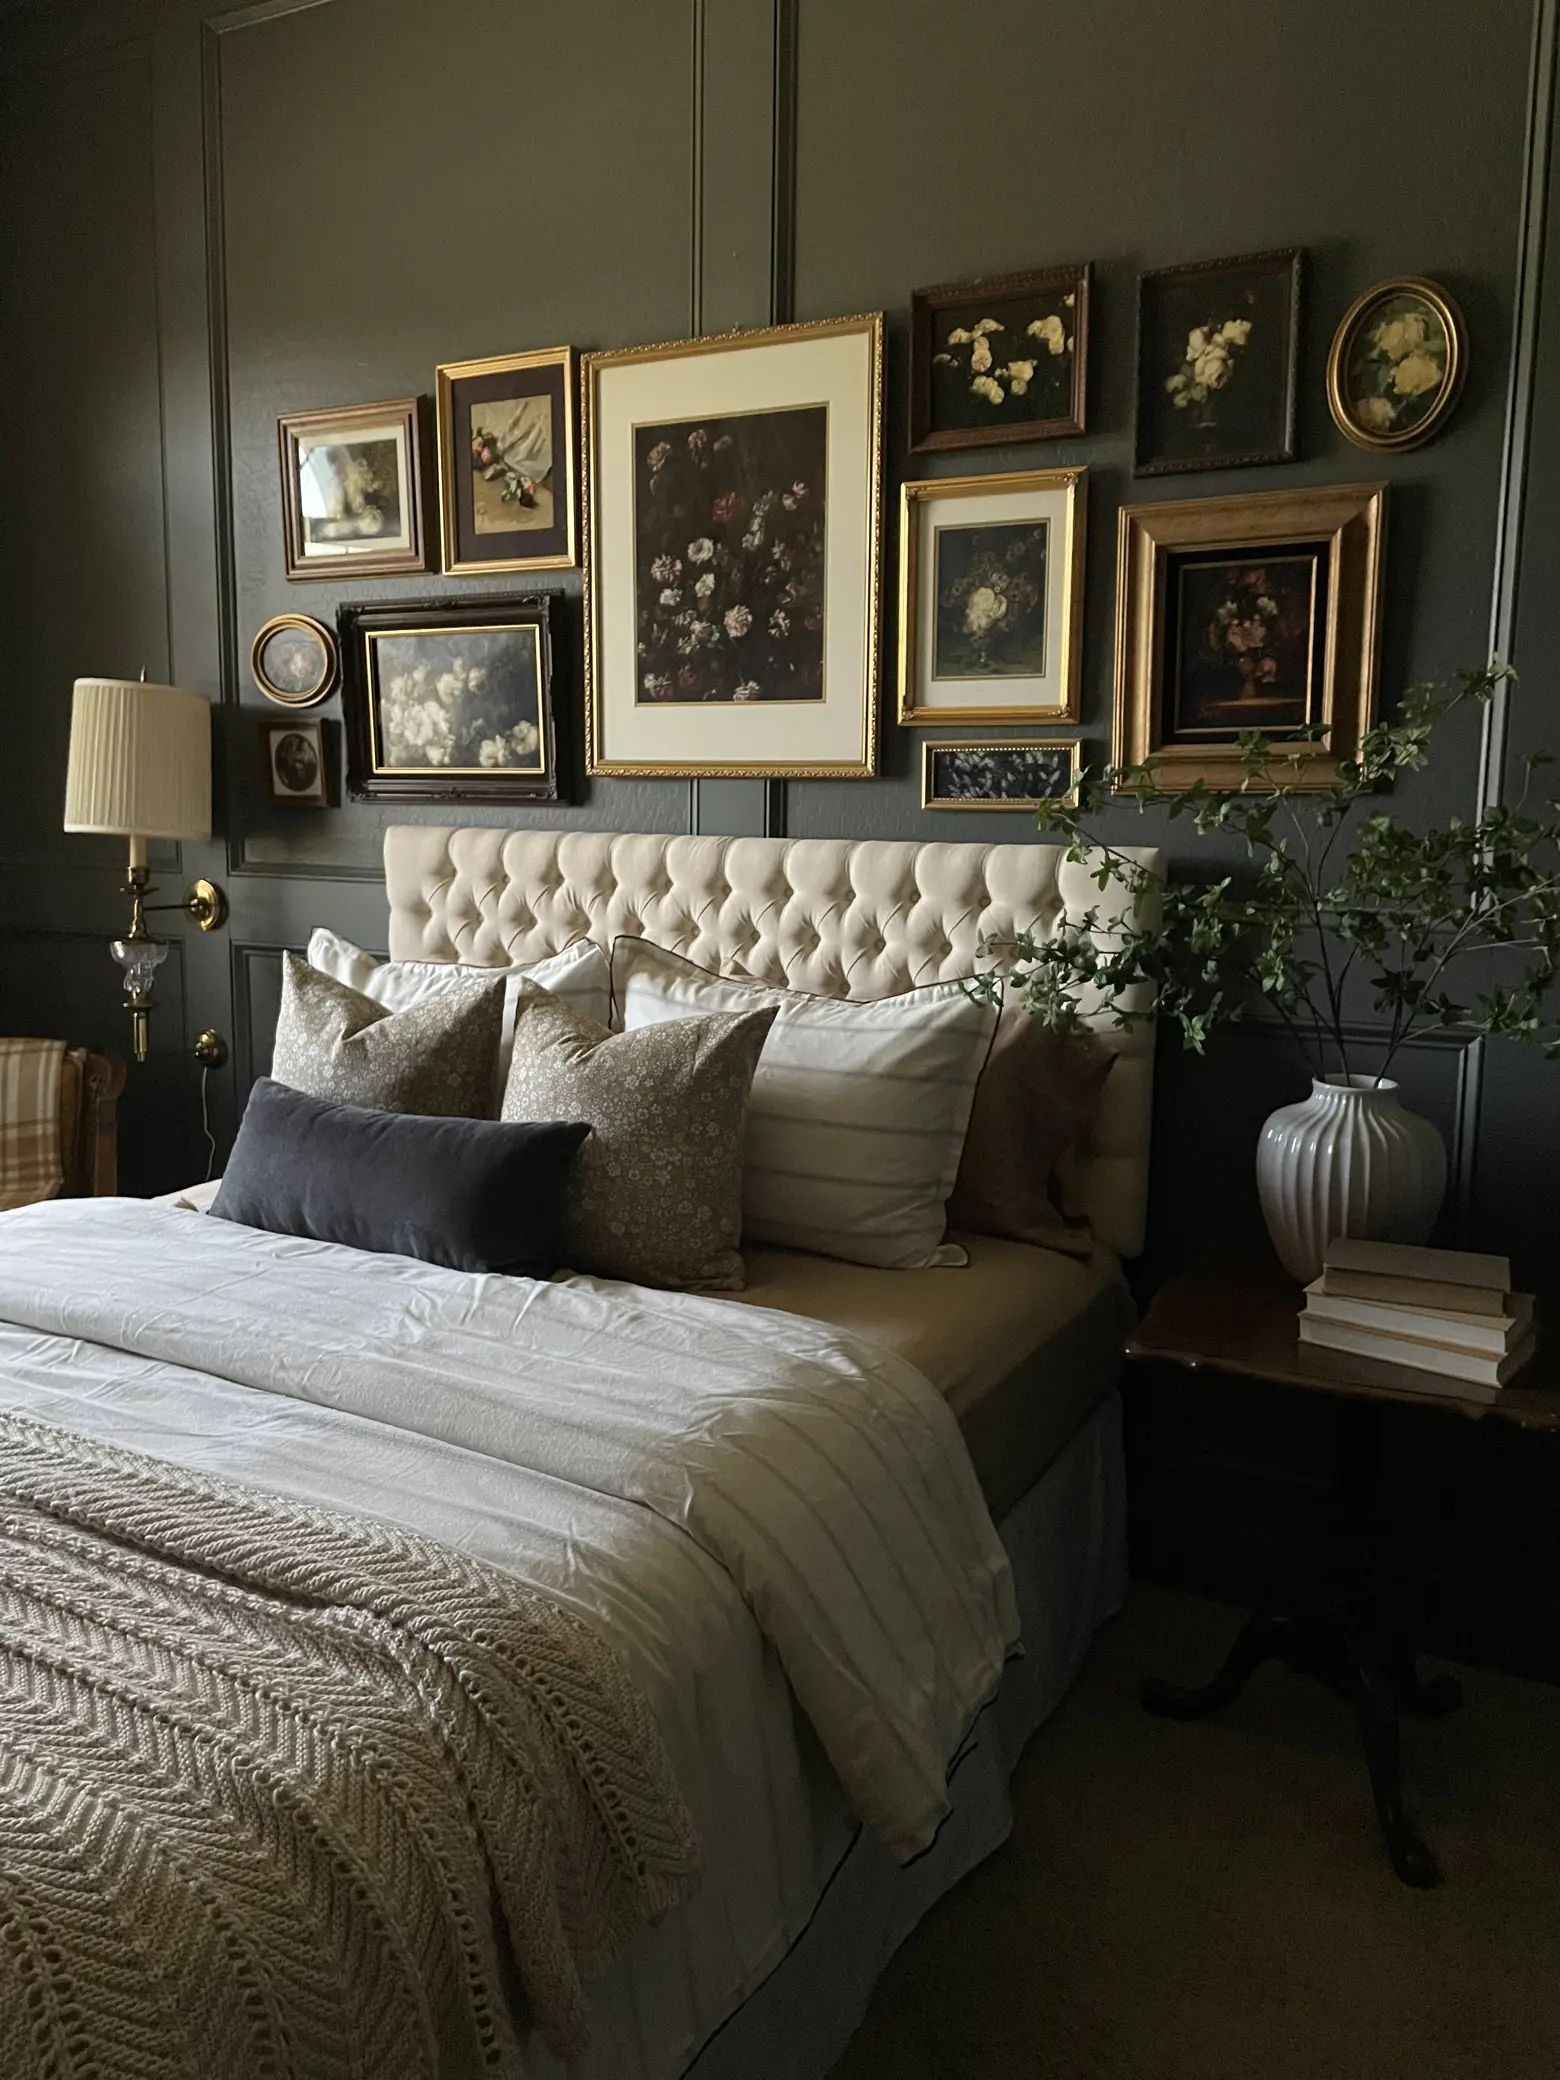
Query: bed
[[316, 1387]]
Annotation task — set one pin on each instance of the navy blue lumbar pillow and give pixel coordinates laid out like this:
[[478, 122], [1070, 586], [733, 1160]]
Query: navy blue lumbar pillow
[[471, 1194]]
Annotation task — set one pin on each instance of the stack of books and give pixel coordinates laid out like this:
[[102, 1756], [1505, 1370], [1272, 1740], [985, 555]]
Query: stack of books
[[1448, 1313]]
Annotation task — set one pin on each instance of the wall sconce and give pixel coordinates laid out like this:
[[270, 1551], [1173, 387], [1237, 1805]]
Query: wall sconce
[[140, 768]]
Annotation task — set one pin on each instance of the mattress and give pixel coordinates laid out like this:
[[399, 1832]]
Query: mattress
[[1022, 1343]]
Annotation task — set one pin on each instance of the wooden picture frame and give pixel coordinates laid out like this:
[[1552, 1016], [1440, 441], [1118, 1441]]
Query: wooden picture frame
[[508, 449], [976, 763], [1260, 611], [1041, 319], [451, 700], [1397, 364], [301, 761], [294, 660], [352, 490], [1218, 352], [732, 545], [1000, 639]]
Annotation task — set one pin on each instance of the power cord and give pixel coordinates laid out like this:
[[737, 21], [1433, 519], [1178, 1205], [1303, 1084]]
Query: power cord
[[205, 1124]]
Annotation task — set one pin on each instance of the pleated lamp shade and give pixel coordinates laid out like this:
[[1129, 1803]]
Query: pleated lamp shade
[[140, 760]]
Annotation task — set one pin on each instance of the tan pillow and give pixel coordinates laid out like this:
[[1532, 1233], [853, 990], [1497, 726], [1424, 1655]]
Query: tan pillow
[[656, 1192], [438, 1056], [1037, 1095]]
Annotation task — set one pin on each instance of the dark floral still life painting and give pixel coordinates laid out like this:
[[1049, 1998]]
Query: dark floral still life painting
[[1013, 775], [1004, 364], [1247, 650], [990, 610], [729, 518], [463, 702], [1216, 364]]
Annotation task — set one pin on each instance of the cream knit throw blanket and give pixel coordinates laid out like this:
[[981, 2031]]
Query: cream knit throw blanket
[[278, 1785]]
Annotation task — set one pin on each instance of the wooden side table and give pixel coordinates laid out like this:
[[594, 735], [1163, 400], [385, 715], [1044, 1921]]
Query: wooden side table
[[1241, 1316]]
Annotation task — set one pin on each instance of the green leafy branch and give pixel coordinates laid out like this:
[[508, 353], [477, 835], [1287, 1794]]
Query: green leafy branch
[[1334, 892]]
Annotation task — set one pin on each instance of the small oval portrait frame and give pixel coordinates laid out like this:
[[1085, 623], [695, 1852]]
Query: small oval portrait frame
[[1379, 420], [323, 682]]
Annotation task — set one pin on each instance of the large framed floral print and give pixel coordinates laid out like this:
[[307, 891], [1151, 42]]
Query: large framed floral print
[[450, 700], [732, 493], [1217, 349], [991, 597], [1248, 615]]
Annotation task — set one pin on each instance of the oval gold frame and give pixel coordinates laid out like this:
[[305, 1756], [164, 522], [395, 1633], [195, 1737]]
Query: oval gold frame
[[283, 696], [1456, 364]]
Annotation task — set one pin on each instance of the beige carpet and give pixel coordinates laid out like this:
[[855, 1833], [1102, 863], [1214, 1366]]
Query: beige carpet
[[1210, 1901]]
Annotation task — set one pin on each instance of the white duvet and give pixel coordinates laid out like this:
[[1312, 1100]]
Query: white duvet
[[757, 1510]]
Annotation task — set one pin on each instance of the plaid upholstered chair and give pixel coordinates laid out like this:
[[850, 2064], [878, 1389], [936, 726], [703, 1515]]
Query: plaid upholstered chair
[[58, 1133]]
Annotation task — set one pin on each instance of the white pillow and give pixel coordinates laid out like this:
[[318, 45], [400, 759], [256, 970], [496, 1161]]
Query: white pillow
[[858, 1112], [579, 975]]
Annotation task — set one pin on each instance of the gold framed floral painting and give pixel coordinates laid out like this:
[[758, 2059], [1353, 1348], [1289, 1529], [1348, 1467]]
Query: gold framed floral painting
[[1218, 344], [987, 775], [732, 496], [506, 462], [1258, 614], [991, 597], [1000, 359], [1397, 364]]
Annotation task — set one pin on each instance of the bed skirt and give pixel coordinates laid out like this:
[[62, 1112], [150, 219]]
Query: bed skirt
[[1067, 1542]]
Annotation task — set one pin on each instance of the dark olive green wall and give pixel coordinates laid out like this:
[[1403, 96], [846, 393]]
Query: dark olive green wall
[[213, 217]]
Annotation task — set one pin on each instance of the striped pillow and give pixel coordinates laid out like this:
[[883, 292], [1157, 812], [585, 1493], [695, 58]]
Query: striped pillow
[[578, 975], [858, 1111]]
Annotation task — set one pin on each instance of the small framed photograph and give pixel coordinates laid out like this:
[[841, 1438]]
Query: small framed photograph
[[1253, 613], [506, 462], [294, 661], [732, 600], [1396, 365], [999, 360], [352, 490], [991, 597], [301, 761], [1218, 344], [450, 700], [999, 776]]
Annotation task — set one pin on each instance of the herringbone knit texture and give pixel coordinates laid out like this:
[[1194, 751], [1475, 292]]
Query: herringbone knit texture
[[265, 1772]]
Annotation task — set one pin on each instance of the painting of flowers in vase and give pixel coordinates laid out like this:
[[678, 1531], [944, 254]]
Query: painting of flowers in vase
[[1001, 359], [1396, 364], [1248, 648], [1216, 364], [990, 592], [729, 557]]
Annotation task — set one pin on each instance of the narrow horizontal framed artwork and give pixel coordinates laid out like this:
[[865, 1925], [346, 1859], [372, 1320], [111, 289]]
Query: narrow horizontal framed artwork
[[1000, 359], [991, 597], [450, 700], [1397, 364], [1218, 344], [507, 462], [732, 519], [294, 660], [988, 775], [300, 761], [1257, 613], [352, 490]]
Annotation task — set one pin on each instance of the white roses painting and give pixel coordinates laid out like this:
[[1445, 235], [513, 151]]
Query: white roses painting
[[1216, 363], [1000, 359], [1396, 365], [450, 700]]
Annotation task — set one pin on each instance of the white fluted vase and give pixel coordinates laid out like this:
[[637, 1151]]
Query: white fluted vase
[[1348, 1160]]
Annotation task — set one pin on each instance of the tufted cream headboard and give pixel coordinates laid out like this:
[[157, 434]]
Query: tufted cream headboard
[[841, 918]]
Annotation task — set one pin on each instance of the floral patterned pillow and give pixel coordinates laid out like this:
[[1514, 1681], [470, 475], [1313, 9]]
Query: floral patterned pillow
[[655, 1195], [436, 1057]]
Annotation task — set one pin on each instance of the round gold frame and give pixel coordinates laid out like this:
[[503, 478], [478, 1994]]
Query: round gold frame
[[1451, 320], [284, 696]]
